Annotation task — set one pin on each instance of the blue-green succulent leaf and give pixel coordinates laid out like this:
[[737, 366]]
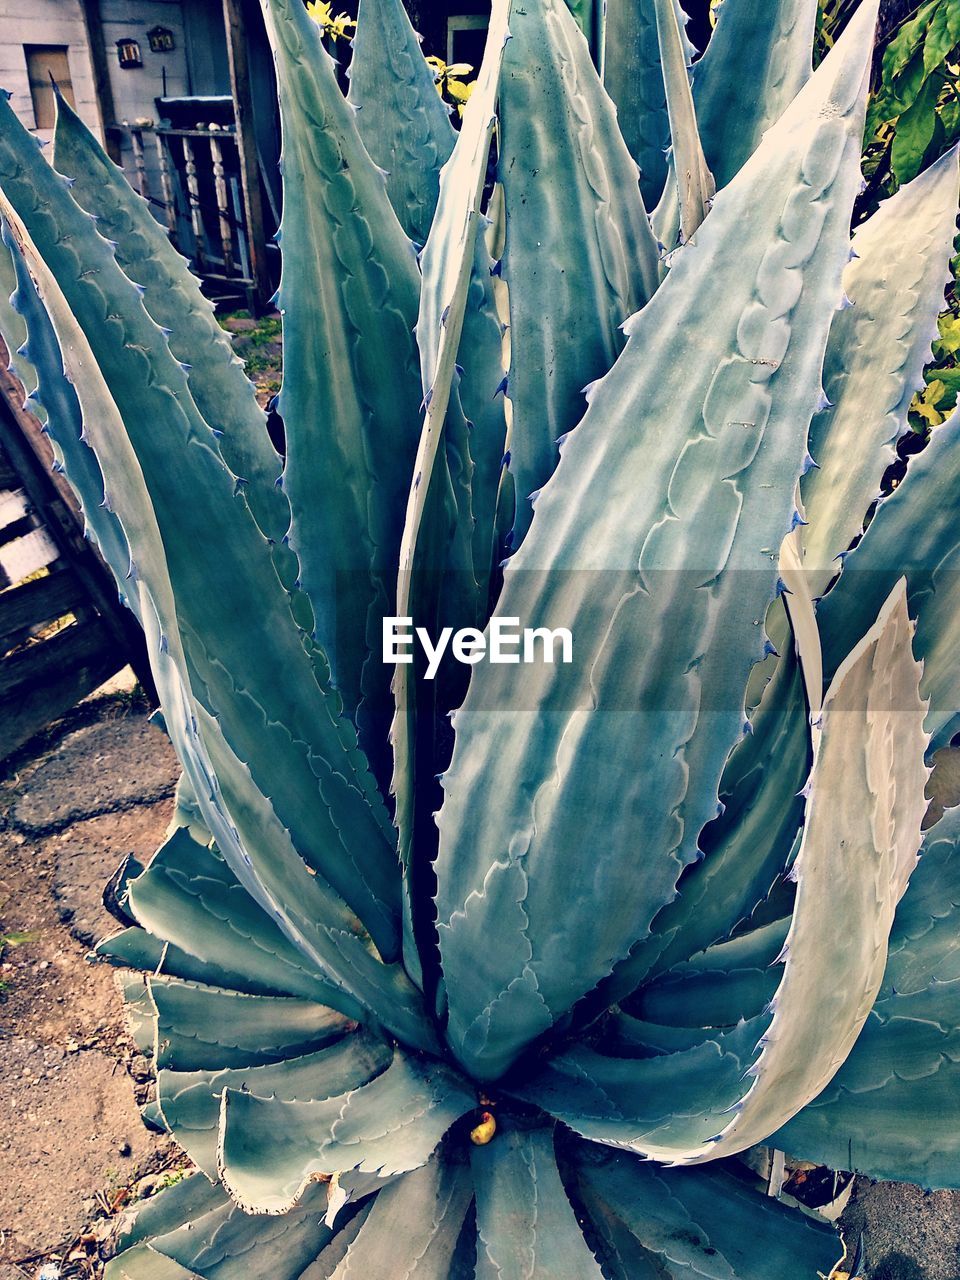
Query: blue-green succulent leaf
[[228, 1244], [402, 120], [664, 589], [913, 535], [860, 841], [437, 583], [525, 1222], [258, 708], [205, 1028], [189, 1101], [632, 77], [270, 1149], [766, 44], [660, 1104], [878, 348], [412, 1229], [905, 1067], [188, 896], [591, 16], [349, 398], [171, 295], [719, 986], [64, 423], [190, 1198], [12, 328], [688, 171], [578, 260], [707, 1223]]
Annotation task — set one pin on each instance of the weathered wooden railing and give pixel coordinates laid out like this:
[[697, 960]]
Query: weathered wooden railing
[[201, 197]]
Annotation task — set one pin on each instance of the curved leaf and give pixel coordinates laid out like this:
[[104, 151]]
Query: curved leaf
[[905, 1067], [878, 347], [649, 581], [525, 1222], [632, 77], [189, 1101], [404, 124], [64, 423], [912, 535], [271, 1149], [695, 186], [206, 1028], [412, 1229], [656, 1105], [578, 260], [860, 841], [767, 44], [348, 296], [171, 295], [705, 1222]]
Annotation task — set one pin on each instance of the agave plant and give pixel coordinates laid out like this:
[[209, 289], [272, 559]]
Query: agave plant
[[664, 901]]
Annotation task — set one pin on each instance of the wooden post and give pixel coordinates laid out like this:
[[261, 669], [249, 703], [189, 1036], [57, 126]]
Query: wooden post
[[136, 141], [223, 204], [102, 88], [235, 26], [193, 195], [166, 185]]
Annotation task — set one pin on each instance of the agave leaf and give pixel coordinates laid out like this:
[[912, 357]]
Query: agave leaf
[[142, 1262], [591, 17], [12, 328], [205, 1028], [878, 347], [688, 166], [905, 1067], [348, 296], [726, 982], [645, 580], [227, 1244], [139, 1011], [662, 1103], [913, 534], [273, 873], [271, 1149], [866, 806], [767, 44], [745, 848], [412, 1229], [218, 385], [325, 1264], [438, 532], [704, 1223], [187, 895], [525, 1222], [63, 422], [189, 1101], [564, 324], [190, 1198], [633, 79], [404, 124], [261, 691], [138, 949]]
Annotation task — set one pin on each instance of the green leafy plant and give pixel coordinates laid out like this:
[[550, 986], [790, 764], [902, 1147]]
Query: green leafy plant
[[517, 1021]]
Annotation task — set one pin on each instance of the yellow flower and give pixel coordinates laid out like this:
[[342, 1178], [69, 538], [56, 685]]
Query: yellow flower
[[340, 27]]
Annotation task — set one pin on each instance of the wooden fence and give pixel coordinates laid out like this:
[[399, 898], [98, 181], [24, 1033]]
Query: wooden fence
[[63, 631]]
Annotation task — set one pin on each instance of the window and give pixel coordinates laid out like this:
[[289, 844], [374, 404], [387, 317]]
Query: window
[[466, 36], [46, 63]]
